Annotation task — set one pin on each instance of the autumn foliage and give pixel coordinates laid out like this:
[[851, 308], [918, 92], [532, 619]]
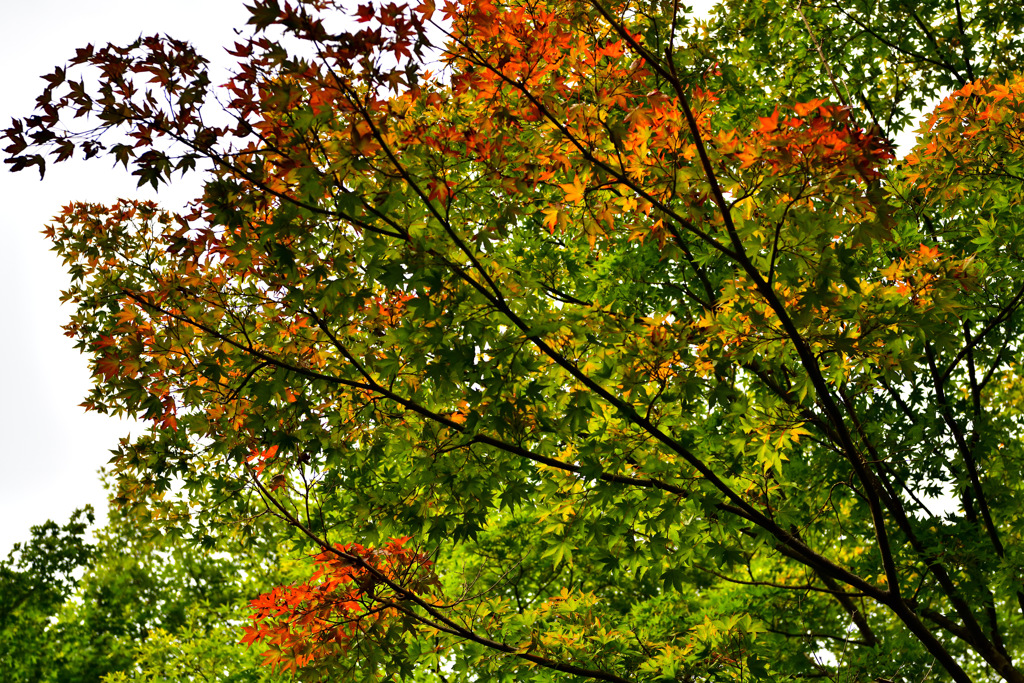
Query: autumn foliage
[[352, 595], [633, 324]]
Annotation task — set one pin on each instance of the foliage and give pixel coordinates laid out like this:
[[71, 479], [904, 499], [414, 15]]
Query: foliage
[[571, 339], [127, 608], [35, 579], [347, 605]]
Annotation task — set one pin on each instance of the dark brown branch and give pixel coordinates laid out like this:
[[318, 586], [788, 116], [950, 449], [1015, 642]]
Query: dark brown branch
[[965, 452], [992, 324], [817, 636]]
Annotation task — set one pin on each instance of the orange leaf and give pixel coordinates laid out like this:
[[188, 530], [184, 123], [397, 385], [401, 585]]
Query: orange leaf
[[805, 108], [574, 190], [108, 366], [426, 8], [769, 123], [928, 253]]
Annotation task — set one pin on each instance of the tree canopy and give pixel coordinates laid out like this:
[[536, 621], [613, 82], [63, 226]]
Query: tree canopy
[[129, 606], [35, 579], [574, 339]]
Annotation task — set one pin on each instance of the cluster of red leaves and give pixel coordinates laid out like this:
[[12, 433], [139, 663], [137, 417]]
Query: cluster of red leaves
[[532, 43], [821, 137], [353, 592], [526, 59], [262, 456]]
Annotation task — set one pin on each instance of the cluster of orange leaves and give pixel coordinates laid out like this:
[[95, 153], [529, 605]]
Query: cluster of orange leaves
[[821, 137], [353, 590], [914, 276], [971, 135]]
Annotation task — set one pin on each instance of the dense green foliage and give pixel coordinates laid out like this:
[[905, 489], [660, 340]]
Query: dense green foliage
[[35, 580], [129, 607]]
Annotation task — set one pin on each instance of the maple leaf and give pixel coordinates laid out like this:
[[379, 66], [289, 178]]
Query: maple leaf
[[768, 124], [426, 8], [805, 108], [575, 190], [108, 366]]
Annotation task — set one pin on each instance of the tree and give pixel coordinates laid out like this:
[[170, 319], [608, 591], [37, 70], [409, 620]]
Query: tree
[[148, 609], [129, 607], [35, 580], [575, 340]]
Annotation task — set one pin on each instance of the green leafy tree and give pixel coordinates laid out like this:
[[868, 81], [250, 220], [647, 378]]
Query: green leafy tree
[[150, 609], [35, 580], [574, 340], [129, 607], [172, 612]]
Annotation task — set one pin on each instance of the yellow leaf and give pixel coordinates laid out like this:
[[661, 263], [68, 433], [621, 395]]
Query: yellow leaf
[[550, 217], [574, 190]]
